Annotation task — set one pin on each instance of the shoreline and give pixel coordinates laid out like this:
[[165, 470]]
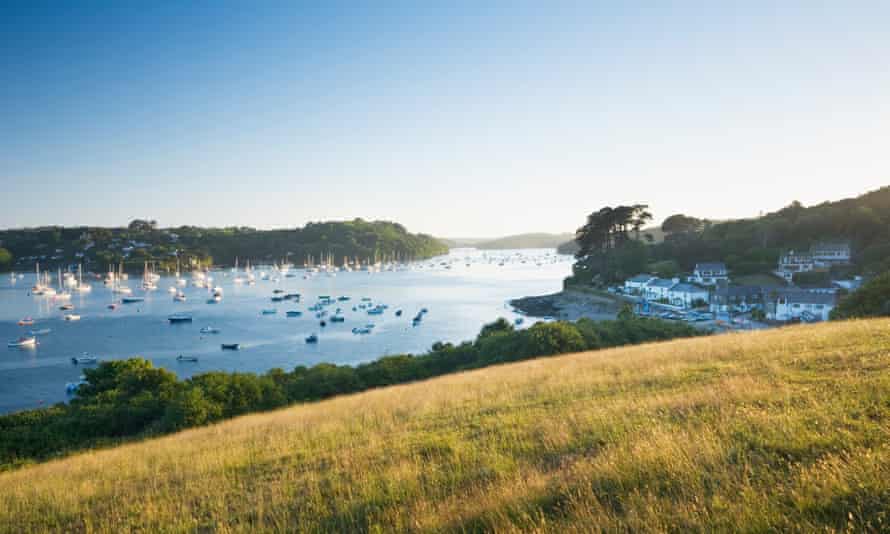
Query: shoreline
[[569, 305]]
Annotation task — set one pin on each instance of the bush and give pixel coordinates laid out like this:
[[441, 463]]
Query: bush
[[871, 300], [131, 398]]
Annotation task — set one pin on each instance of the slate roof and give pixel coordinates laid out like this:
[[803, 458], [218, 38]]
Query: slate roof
[[808, 297], [710, 266]]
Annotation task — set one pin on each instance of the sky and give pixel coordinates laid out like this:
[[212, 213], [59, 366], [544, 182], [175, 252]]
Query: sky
[[458, 118]]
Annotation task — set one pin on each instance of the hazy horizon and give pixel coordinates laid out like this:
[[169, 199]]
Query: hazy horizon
[[453, 120]]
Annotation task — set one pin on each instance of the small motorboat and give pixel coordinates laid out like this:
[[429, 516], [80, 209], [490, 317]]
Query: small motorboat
[[343, 298], [209, 330], [322, 324], [312, 339], [24, 341], [277, 291], [132, 300], [278, 298], [27, 321], [182, 358], [337, 319], [66, 307], [271, 311], [72, 317], [84, 359], [179, 318], [398, 313], [293, 313], [230, 346], [41, 332]]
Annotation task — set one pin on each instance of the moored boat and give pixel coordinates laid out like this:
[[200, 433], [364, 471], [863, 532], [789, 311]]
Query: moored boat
[[230, 346], [182, 358], [180, 318], [24, 341], [84, 359]]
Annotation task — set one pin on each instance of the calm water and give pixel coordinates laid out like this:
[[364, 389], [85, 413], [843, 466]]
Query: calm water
[[474, 291]]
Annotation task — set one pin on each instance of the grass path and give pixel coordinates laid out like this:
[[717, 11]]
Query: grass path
[[778, 430]]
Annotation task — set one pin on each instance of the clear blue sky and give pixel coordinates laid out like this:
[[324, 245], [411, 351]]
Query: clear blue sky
[[454, 118]]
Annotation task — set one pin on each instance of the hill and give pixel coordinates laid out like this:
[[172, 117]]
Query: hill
[[776, 430], [143, 241], [530, 240], [535, 240]]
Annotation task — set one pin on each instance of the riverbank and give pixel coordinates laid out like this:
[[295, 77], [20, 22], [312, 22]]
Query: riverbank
[[569, 305]]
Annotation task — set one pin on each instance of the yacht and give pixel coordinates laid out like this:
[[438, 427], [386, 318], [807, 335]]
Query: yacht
[[84, 359], [179, 318], [24, 341]]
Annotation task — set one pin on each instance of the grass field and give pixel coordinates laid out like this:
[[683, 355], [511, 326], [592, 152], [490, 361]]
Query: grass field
[[777, 430]]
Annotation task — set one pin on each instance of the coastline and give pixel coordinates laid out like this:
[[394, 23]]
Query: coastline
[[569, 305]]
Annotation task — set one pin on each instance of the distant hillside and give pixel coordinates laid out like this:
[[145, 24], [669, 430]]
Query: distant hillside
[[533, 240], [780, 430]]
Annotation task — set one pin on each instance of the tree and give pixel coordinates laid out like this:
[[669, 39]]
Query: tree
[[680, 224], [871, 300], [5, 259]]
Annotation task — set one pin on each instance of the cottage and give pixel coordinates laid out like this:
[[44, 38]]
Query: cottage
[[709, 274], [790, 305], [687, 295], [636, 284], [659, 288], [831, 253], [792, 263], [742, 298]]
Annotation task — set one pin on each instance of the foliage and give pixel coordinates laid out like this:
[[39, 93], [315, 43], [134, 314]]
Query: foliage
[[747, 246], [5, 259], [188, 246], [871, 300], [131, 398]]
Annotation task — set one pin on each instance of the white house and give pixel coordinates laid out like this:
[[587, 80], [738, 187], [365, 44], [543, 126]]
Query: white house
[[792, 263], [686, 295], [709, 274], [802, 305], [831, 253], [659, 288], [637, 284]]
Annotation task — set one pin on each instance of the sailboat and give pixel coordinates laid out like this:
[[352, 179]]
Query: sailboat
[[62, 294], [81, 287]]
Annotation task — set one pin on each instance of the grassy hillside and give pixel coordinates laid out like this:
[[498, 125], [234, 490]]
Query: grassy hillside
[[779, 430], [538, 240]]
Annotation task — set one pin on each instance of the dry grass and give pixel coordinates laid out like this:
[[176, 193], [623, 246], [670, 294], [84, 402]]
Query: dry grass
[[780, 430]]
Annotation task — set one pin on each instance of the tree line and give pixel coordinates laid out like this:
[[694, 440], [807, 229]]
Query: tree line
[[610, 247], [132, 399], [191, 246]]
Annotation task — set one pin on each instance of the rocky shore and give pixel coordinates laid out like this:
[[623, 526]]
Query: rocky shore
[[568, 305]]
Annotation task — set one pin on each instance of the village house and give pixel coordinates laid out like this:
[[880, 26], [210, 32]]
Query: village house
[[794, 304], [687, 295], [658, 288], [743, 298], [831, 253], [636, 284], [709, 274], [793, 263]]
